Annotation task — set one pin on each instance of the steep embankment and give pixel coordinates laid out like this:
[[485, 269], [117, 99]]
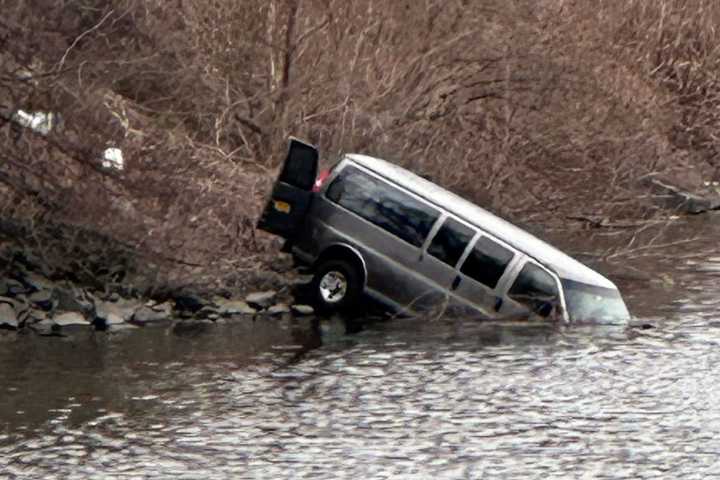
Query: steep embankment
[[543, 111]]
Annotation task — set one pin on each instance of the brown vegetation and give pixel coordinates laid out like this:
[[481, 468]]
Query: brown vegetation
[[525, 106]]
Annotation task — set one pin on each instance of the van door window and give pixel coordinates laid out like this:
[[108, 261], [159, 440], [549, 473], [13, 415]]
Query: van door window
[[381, 204], [450, 241], [486, 262], [535, 288]]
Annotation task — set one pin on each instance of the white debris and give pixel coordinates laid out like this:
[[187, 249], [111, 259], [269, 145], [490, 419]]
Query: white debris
[[113, 158], [39, 122]]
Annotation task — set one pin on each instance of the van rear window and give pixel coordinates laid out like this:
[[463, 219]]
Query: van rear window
[[383, 205]]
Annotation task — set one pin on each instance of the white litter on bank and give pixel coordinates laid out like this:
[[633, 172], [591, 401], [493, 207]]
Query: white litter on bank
[[113, 158]]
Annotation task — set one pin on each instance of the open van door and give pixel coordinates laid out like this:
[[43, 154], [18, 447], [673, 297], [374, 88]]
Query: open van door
[[290, 198]]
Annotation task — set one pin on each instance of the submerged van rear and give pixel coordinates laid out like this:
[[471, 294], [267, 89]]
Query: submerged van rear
[[373, 228]]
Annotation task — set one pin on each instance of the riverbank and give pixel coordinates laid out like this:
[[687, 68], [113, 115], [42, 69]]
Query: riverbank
[[47, 294]]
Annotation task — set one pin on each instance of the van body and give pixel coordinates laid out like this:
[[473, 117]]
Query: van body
[[373, 228]]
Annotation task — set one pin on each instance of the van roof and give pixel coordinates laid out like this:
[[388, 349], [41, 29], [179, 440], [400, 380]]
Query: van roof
[[562, 264]]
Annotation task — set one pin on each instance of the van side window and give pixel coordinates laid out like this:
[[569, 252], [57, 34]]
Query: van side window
[[383, 205], [487, 262], [535, 288], [450, 241]]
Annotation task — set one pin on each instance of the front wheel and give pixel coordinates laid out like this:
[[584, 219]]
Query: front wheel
[[336, 285]]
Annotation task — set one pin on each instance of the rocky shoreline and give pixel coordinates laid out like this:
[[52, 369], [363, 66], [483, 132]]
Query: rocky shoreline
[[32, 302]]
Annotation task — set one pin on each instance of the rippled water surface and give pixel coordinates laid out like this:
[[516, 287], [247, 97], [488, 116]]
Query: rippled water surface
[[446, 398]]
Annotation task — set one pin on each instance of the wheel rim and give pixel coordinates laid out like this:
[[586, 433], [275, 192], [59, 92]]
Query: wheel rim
[[333, 287]]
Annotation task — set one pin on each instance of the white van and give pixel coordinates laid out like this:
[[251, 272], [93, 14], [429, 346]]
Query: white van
[[370, 227]]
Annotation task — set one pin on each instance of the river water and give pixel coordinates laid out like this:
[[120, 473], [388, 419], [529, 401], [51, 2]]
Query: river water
[[440, 398]]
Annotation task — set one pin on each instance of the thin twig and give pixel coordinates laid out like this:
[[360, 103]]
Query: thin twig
[[80, 37]]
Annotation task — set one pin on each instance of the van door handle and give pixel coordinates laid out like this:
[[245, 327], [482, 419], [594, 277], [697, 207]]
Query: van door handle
[[455, 283]]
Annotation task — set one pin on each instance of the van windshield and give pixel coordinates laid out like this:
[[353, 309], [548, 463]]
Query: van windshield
[[590, 303]]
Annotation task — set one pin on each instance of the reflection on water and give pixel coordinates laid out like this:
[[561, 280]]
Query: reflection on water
[[400, 399]]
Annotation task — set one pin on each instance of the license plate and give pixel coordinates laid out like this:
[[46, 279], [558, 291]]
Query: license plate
[[280, 206]]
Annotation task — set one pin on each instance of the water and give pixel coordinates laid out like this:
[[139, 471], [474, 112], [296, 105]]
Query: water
[[401, 399]]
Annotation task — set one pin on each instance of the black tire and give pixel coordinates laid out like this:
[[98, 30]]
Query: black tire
[[320, 291]]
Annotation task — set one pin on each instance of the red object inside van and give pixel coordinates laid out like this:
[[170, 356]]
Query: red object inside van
[[322, 176]]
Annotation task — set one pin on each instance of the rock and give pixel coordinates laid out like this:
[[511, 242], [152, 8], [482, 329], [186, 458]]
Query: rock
[[278, 309], [36, 282], [14, 287], [8, 300], [300, 280], [46, 328], [107, 314], [303, 309], [37, 316], [42, 299], [188, 303], [19, 306], [71, 299], [150, 315], [235, 307], [23, 313], [115, 313], [206, 311], [8, 317], [68, 319], [165, 307], [261, 299]]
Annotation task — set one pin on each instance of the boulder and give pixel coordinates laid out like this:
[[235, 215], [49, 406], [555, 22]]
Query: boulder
[[36, 283], [8, 300], [303, 309], [261, 299], [19, 306], [235, 307], [46, 328], [69, 319], [165, 307], [36, 316], [278, 309], [107, 314], [207, 310], [42, 299], [156, 313], [8, 317], [13, 287]]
